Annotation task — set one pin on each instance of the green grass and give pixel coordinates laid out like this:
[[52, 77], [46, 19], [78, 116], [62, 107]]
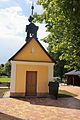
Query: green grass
[[64, 93], [5, 79]]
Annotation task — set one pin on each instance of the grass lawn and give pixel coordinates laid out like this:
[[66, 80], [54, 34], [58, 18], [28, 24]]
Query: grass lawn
[[5, 79]]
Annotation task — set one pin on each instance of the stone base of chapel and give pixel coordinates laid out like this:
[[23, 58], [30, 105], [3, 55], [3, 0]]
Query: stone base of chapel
[[14, 95]]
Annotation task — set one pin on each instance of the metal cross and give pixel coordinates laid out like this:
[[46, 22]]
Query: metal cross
[[32, 8]]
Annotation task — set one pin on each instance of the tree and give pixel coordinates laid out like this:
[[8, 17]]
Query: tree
[[2, 71], [62, 18], [59, 67], [7, 68]]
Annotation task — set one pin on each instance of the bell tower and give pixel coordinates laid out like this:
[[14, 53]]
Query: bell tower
[[31, 29]]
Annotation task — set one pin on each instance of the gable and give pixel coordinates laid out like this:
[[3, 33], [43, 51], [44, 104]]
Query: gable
[[32, 51]]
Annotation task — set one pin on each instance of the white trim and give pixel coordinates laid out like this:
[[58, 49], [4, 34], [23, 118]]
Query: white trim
[[37, 81], [13, 77], [33, 63], [50, 72]]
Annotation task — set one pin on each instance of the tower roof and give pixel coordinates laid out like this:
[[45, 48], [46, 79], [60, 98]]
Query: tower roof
[[31, 29]]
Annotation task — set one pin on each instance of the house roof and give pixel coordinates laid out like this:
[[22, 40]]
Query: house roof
[[27, 44], [74, 72]]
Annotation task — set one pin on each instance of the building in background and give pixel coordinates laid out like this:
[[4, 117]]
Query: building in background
[[73, 78]]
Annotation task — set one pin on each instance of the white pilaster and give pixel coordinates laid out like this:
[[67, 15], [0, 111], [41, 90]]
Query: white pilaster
[[13, 77], [50, 72]]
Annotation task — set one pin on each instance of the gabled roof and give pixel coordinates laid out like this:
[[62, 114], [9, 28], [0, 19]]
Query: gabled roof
[[38, 44], [73, 72]]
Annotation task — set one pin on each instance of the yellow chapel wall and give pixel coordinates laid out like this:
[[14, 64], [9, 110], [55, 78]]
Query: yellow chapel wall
[[32, 52], [42, 77]]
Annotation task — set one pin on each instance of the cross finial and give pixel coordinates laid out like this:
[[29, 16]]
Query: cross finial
[[31, 29], [32, 8]]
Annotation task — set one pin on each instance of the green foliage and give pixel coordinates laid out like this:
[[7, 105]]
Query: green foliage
[[5, 69], [59, 67], [8, 69], [62, 18], [2, 71]]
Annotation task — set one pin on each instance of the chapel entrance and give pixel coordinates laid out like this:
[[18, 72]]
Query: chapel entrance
[[31, 83]]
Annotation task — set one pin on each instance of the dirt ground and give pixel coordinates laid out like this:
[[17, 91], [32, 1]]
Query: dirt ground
[[42, 108]]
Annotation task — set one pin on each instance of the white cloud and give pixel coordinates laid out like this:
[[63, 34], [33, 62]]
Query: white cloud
[[30, 1], [11, 23], [4, 0], [12, 31], [37, 8]]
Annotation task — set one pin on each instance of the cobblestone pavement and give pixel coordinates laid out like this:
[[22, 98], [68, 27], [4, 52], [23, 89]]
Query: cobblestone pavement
[[41, 108], [72, 89]]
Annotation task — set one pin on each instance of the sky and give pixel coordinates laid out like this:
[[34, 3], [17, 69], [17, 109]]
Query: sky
[[14, 16]]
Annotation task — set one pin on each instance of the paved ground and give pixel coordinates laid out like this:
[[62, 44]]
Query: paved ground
[[72, 89], [42, 108]]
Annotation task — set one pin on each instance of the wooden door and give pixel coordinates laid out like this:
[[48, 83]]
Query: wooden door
[[31, 83]]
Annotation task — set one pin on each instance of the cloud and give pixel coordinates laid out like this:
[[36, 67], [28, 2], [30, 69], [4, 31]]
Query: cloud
[[4, 0], [37, 8], [11, 22], [12, 31], [30, 1]]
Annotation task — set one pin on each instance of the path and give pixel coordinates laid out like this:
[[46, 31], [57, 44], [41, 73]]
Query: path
[[41, 108]]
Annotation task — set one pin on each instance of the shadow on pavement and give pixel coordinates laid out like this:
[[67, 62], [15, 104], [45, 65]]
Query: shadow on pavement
[[64, 101], [70, 102], [8, 117]]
